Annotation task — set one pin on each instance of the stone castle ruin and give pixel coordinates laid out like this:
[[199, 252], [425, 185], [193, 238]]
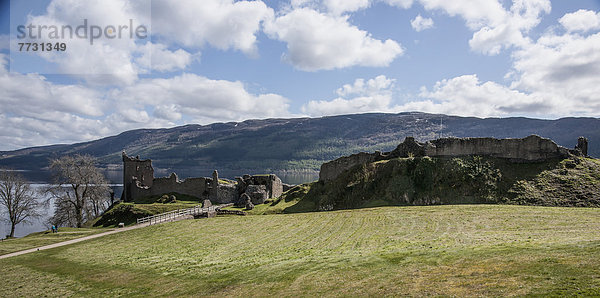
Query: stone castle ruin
[[139, 182], [530, 149]]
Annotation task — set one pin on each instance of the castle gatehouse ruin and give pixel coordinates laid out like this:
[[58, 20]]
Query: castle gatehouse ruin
[[139, 182], [530, 149]]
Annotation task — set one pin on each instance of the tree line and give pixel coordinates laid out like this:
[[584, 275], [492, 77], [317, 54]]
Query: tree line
[[78, 190]]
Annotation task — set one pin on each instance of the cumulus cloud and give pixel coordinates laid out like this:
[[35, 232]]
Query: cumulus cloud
[[317, 41], [376, 85], [224, 24], [420, 23], [464, 95], [400, 3], [564, 67], [467, 96], [203, 99], [340, 6], [31, 95], [103, 60], [374, 95], [553, 76], [158, 57], [494, 27], [35, 111], [581, 20]]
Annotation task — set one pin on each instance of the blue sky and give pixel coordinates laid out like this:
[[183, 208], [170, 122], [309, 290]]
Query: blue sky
[[217, 60]]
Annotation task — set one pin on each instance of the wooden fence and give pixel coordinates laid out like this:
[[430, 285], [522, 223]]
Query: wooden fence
[[172, 215]]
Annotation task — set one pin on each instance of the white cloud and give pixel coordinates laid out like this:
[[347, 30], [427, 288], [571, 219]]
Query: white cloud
[[89, 58], [476, 13], [581, 20], [374, 95], [31, 95], [420, 23], [463, 95], [168, 112], [35, 111], [564, 67], [158, 57], [317, 41], [370, 87], [494, 27], [467, 96], [553, 76], [201, 98], [338, 7], [400, 3], [223, 24]]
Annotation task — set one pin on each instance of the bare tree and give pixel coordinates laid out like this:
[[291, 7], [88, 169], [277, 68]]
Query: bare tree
[[17, 198], [80, 190]]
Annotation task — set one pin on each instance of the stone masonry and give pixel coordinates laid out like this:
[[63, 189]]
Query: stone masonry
[[530, 149], [139, 182]]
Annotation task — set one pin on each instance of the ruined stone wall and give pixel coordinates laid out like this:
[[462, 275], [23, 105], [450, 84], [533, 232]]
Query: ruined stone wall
[[330, 170], [136, 190], [530, 149], [136, 172], [276, 186], [139, 181], [273, 184], [197, 187], [227, 193]]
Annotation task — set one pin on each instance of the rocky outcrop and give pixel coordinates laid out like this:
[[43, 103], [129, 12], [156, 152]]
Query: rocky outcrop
[[243, 200], [332, 169], [530, 149]]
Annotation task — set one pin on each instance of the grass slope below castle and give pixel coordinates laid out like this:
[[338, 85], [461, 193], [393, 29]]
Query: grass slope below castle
[[128, 213], [462, 180], [456, 250]]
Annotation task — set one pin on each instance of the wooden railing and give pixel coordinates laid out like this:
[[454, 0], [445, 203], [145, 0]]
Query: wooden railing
[[172, 215]]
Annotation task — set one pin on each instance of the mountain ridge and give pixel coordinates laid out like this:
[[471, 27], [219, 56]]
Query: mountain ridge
[[295, 144]]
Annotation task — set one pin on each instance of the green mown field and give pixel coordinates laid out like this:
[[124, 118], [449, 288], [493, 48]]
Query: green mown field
[[461, 250], [45, 238]]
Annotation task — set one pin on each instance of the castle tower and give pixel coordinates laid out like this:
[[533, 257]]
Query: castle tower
[[214, 191], [582, 145], [135, 171]]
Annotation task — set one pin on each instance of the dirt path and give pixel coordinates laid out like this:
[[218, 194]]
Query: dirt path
[[22, 252]]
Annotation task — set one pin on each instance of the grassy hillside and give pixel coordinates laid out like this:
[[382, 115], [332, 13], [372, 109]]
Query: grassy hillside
[[300, 144], [465, 180], [128, 213], [467, 250]]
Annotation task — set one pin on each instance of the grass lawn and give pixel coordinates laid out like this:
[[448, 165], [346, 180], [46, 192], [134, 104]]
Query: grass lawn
[[44, 238], [460, 250]]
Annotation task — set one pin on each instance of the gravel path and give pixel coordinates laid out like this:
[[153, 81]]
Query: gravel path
[[118, 230], [22, 252]]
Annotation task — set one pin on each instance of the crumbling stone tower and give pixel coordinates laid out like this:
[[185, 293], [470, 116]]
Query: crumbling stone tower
[[582, 145], [214, 190], [136, 172]]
